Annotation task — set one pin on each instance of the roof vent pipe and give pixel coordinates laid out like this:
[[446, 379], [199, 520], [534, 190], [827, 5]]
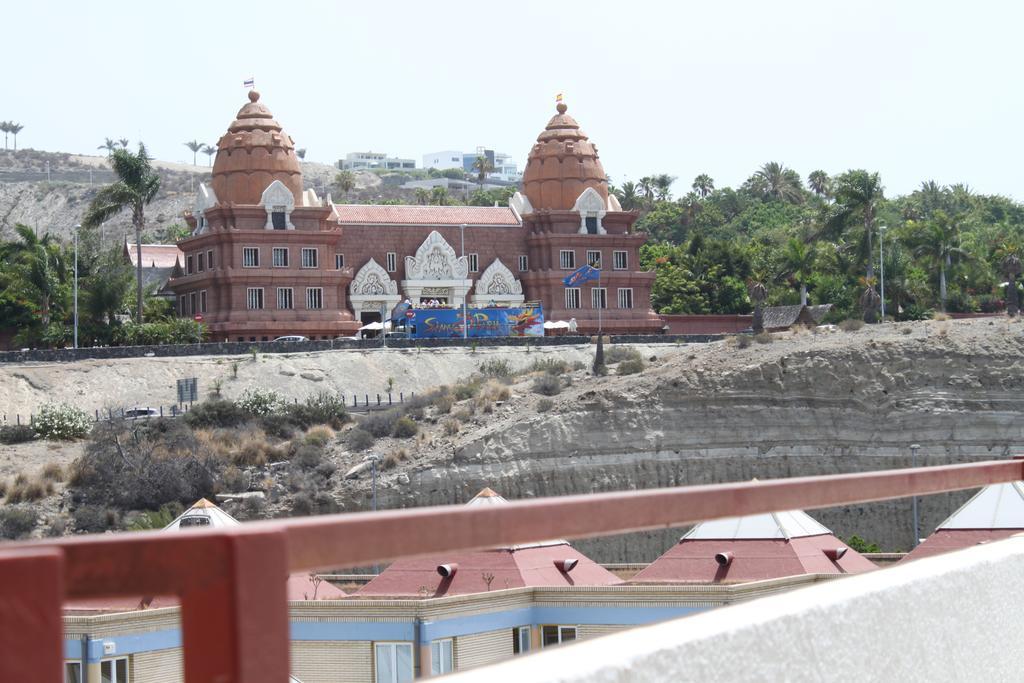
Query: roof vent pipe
[[447, 571], [566, 566], [724, 558], [835, 554]]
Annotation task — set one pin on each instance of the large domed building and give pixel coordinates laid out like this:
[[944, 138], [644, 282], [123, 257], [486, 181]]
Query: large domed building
[[267, 258]]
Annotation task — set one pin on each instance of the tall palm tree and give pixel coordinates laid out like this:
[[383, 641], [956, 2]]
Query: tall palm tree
[[1009, 255], [758, 293], [123, 142], [136, 186], [422, 195], [858, 194], [703, 185], [937, 242], [775, 181], [482, 166], [15, 128], [5, 128], [439, 196], [40, 270], [628, 195], [869, 301], [345, 181], [195, 146], [209, 151], [109, 145], [819, 182], [663, 186], [301, 153], [646, 186], [798, 258]]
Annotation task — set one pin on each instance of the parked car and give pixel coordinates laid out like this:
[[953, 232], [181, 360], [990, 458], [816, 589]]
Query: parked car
[[398, 335], [292, 338], [138, 413]]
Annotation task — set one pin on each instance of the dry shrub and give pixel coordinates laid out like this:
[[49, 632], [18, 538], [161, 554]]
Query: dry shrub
[[764, 338], [451, 426], [25, 490], [851, 325], [52, 471], [254, 449], [444, 403], [359, 439], [496, 391], [905, 330], [940, 316], [616, 354], [233, 480], [319, 436], [483, 404], [631, 366], [544, 405], [463, 415], [215, 442], [392, 459], [18, 521], [405, 428], [3, 487], [548, 385], [741, 341]]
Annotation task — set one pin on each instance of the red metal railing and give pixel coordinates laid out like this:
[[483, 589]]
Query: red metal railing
[[231, 583]]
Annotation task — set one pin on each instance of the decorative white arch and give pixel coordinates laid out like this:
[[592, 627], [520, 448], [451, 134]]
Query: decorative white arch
[[205, 199], [435, 271], [498, 285], [372, 289], [590, 205], [278, 198]]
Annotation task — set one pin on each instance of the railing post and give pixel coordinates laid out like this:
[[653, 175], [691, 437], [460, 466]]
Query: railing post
[[31, 627], [389, 398]]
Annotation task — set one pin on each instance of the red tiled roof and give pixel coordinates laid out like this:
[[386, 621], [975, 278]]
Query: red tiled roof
[[379, 214], [948, 540], [753, 560], [155, 255]]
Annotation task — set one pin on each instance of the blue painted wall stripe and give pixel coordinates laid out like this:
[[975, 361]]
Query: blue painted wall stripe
[[352, 630]]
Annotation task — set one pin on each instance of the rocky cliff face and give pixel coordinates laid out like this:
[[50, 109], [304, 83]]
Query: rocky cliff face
[[804, 405]]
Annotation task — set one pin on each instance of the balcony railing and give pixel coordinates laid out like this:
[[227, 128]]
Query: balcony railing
[[231, 636]]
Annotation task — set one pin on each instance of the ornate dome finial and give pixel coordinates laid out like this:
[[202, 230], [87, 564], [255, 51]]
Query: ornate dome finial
[[562, 108], [254, 95], [562, 164]]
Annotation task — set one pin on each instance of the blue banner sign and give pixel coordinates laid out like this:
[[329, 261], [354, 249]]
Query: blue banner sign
[[433, 323]]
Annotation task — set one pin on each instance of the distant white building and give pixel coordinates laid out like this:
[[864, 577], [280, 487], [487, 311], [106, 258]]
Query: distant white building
[[443, 159], [505, 167], [374, 160]]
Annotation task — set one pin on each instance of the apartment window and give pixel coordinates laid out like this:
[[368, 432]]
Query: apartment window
[[392, 262], [594, 257], [279, 257], [284, 298], [524, 264], [474, 262], [441, 657], [567, 259], [209, 259], [520, 640], [250, 257], [73, 672], [626, 297], [554, 635], [599, 297], [572, 297], [188, 265], [620, 260], [192, 297], [201, 262], [254, 298], [339, 261], [393, 662], [310, 257], [202, 301], [114, 670], [314, 297]]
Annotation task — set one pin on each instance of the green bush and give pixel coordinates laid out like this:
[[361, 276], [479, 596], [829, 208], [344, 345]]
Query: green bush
[[631, 366], [320, 409], [359, 439], [156, 519], [495, 367], [405, 428], [859, 545], [851, 325], [548, 385], [171, 331], [742, 341], [280, 425], [17, 521], [61, 422], [444, 403], [11, 434], [551, 366], [381, 424], [467, 389], [544, 405], [764, 338], [94, 518], [616, 354], [256, 401], [214, 413]]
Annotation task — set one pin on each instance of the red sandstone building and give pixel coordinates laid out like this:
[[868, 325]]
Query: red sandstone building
[[267, 258]]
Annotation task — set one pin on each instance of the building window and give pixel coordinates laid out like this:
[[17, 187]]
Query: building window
[[393, 662], [591, 223], [392, 262], [554, 635], [188, 264], [520, 640], [314, 297], [626, 297], [474, 262], [73, 672], [524, 264], [201, 261], [339, 261], [572, 297], [441, 657], [114, 670], [567, 259], [192, 296], [278, 218], [254, 298], [594, 257], [202, 301], [599, 297], [310, 257], [209, 259], [284, 298], [250, 257], [181, 305], [279, 257]]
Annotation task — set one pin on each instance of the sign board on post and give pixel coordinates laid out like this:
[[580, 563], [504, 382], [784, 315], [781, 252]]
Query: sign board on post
[[188, 390]]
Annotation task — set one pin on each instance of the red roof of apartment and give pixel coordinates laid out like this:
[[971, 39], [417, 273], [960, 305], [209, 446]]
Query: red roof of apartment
[[155, 255], [948, 540], [380, 214]]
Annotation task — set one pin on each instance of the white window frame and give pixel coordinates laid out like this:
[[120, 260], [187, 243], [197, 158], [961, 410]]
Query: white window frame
[[291, 298], [310, 251], [115, 664], [561, 630], [202, 301], [274, 252], [316, 293], [572, 298], [594, 258], [442, 656], [598, 296], [69, 677], [391, 648], [524, 263], [474, 262], [523, 638], [567, 259], [623, 294], [616, 255], [339, 261], [250, 297], [391, 262], [246, 251]]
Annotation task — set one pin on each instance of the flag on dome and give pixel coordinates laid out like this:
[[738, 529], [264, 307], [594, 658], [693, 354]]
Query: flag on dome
[[584, 273], [558, 97], [249, 82]]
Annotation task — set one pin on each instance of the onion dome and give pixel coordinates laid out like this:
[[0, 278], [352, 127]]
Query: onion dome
[[252, 154], [562, 164]]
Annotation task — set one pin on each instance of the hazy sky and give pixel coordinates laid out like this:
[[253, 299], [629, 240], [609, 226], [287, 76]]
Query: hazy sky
[[915, 90]]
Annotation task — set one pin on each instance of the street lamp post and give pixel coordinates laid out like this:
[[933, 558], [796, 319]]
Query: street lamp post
[[914, 448], [465, 322], [881, 266], [77, 228]]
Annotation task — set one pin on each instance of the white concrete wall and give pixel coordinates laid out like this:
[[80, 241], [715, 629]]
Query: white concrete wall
[[952, 617]]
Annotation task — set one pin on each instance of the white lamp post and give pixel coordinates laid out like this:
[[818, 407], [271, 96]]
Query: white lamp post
[[77, 228], [881, 266]]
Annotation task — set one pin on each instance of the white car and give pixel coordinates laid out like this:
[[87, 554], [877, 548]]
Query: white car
[[140, 413], [292, 338]]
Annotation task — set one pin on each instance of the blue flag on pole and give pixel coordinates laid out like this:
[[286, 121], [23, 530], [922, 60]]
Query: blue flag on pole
[[584, 273]]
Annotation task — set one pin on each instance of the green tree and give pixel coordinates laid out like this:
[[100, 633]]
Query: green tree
[[820, 183], [1009, 255], [774, 181], [937, 242], [483, 166], [858, 195], [663, 186], [209, 151], [628, 195], [758, 292], [440, 197], [38, 272], [136, 186], [703, 185], [15, 128], [195, 146], [5, 128], [109, 145], [123, 142], [799, 259], [107, 288], [422, 195], [345, 181]]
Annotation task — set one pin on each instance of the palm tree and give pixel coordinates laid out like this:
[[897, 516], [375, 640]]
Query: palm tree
[[422, 195], [15, 128], [40, 270], [858, 193], [663, 185], [1009, 255], [799, 263], [819, 182], [758, 293], [109, 145], [195, 146], [123, 142], [482, 166], [937, 243], [345, 181], [628, 195], [136, 186], [301, 153], [5, 127], [775, 181], [646, 186], [209, 151], [439, 196], [703, 185], [869, 301]]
